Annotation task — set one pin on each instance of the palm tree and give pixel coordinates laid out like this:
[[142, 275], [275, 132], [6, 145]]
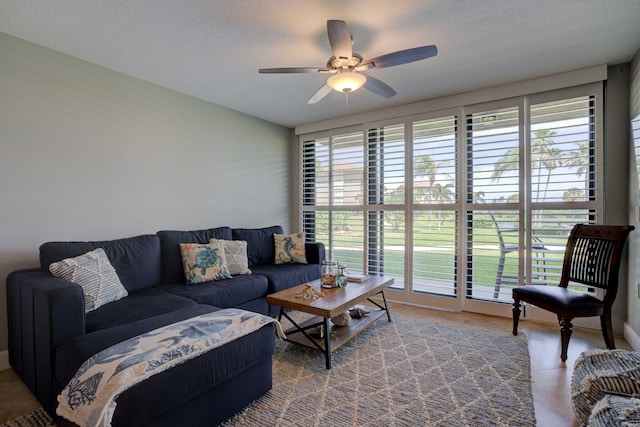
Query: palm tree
[[580, 159], [426, 167], [573, 195], [544, 156], [442, 193], [395, 197]]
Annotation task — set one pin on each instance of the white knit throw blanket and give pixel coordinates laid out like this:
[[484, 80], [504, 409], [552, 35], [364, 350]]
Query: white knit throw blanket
[[89, 398]]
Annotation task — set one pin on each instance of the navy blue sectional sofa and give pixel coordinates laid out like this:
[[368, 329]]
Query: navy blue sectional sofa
[[50, 335]]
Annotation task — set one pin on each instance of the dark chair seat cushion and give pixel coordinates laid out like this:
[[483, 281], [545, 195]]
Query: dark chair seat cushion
[[285, 276], [558, 296], [138, 305], [176, 386], [222, 293], [172, 270], [135, 259]]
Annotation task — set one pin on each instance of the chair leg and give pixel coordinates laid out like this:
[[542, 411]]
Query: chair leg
[[565, 335], [607, 330], [499, 274], [516, 315]]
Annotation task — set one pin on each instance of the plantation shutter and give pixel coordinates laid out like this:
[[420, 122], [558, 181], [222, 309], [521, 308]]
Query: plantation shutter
[[386, 188], [434, 215], [333, 195], [563, 179], [493, 179]]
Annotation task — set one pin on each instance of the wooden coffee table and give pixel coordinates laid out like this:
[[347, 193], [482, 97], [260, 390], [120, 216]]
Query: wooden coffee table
[[335, 301]]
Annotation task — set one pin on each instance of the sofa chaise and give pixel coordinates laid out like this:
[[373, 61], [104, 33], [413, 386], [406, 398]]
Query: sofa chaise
[[51, 334]]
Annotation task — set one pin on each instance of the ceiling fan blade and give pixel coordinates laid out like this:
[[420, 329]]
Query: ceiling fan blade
[[400, 57], [379, 87], [292, 70], [321, 93], [340, 39]]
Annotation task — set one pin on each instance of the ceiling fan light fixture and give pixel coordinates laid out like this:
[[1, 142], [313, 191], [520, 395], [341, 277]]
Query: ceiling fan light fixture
[[346, 81]]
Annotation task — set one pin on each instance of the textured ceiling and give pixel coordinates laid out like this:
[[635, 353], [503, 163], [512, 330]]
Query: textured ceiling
[[213, 49]]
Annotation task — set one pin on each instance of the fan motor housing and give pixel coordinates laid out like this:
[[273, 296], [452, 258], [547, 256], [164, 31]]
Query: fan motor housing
[[341, 63]]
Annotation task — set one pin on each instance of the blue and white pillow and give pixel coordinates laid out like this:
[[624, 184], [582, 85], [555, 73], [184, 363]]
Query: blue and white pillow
[[203, 262], [290, 248], [96, 276]]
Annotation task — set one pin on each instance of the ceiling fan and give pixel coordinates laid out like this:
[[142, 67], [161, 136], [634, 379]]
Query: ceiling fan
[[346, 66]]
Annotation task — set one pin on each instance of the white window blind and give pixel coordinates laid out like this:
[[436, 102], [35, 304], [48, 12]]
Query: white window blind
[[385, 152], [493, 156], [635, 128], [315, 172], [562, 151], [434, 192], [386, 186], [434, 161], [563, 172], [347, 169]]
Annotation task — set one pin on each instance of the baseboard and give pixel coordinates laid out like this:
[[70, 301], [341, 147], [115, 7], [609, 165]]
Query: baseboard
[[4, 360], [631, 336]]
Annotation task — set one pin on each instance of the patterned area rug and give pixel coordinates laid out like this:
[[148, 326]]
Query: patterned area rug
[[37, 418], [413, 371]]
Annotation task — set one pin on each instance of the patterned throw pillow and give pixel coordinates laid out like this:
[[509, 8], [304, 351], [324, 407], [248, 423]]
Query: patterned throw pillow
[[96, 276], [235, 252], [203, 262], [290, 248]]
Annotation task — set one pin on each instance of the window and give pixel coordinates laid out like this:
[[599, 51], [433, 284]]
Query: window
[[458, 208], [435, 195]]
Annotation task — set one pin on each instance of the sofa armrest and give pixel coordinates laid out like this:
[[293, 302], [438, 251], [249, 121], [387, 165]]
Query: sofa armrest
[[51, 310], [314, 252]]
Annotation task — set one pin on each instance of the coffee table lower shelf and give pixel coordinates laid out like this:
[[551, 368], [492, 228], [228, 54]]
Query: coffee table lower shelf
[[301, 333]]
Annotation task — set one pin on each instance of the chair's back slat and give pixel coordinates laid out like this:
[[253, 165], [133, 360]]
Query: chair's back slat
[[593, 255], [591, 262]]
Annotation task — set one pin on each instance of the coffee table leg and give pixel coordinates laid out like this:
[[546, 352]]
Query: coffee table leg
[[386, 307], [327, 344]]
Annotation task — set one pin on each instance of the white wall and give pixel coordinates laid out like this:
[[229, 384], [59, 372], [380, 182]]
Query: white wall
[[87, 153], [632, 327]]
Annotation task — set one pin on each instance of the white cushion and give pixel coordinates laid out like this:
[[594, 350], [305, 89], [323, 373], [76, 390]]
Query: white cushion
[[95, 274], [235, 252]]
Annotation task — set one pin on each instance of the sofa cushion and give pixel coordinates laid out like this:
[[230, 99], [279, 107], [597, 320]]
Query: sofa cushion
[[235, 252], [142, 304], [285, 276], [135, 259], [170, 244], [260, 243], [95, 275], [222, 293], [150, 399], [204, 262], [290, 248]]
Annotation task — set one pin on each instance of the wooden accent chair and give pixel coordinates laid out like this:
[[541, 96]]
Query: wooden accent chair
[[592, 258]]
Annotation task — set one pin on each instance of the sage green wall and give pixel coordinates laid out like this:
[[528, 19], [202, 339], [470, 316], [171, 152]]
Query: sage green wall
[[87, 153], [633, 302], [616, 172]]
